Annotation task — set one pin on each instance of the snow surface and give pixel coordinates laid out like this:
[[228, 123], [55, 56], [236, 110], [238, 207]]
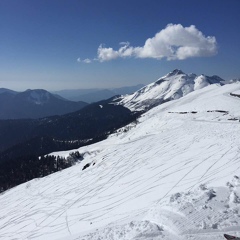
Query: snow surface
[[174, 175], [237, 92]]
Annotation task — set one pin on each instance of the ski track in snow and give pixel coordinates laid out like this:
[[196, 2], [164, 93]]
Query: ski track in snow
[[134, 176]]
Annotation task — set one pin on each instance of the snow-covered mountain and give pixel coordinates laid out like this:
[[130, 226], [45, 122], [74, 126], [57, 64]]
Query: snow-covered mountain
[[172, 86], [173, 175]]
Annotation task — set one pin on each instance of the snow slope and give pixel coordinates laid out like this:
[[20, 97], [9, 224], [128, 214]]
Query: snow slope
[[172, 86], [171, 176]]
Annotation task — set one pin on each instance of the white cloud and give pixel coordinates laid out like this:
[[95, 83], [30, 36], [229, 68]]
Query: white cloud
[[106, 54], [87, 60], [175, 42]]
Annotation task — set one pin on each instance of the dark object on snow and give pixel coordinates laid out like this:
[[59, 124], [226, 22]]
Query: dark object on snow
[[221, 111], [211, 194], [86, 166], [229, 237]]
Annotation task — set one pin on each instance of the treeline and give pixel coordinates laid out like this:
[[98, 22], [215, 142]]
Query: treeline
[[26, 168], [43, 145]]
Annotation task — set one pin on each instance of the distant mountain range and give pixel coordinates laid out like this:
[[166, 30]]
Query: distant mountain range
[[85, 123], [39, 103], [95, 95], [36, 103]]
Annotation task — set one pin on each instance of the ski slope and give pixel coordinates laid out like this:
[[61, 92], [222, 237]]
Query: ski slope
[[174, 175]]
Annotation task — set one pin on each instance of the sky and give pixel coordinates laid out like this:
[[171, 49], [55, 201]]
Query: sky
[[75, 44]]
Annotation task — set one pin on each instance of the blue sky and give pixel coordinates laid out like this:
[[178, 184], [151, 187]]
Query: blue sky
[[56, 44]]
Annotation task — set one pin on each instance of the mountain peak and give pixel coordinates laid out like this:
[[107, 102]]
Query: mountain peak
[[37, 96], [37, 90], [175, 72]]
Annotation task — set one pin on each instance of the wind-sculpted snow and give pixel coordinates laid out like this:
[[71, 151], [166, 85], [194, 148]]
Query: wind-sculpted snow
[[171, 176]]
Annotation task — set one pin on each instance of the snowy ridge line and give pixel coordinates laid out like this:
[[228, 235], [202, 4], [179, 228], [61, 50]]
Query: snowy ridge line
[[173, 85]]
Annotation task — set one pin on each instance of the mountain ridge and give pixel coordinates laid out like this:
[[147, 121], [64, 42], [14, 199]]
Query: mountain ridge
[[95, 95], [35, 103], [172, 86]]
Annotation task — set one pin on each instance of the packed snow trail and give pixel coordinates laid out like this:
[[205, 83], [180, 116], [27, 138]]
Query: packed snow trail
[[134, 186]]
